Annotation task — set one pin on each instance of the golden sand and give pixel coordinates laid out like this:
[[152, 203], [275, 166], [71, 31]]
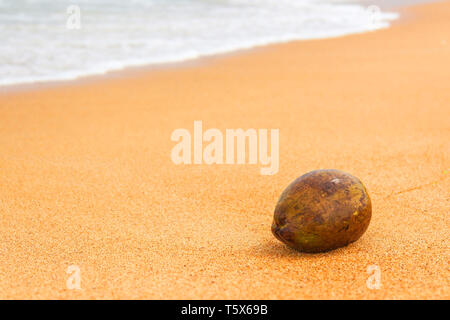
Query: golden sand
[[87, 179]]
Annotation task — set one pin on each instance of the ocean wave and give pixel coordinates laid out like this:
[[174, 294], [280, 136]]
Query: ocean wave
[[37, 45]]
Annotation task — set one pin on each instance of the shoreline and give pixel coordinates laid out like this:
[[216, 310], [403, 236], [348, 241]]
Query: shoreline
[[400, 8], [130, 71], [88, 180]]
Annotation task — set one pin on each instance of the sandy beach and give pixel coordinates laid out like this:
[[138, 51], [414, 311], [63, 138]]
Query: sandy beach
[[87, 178]]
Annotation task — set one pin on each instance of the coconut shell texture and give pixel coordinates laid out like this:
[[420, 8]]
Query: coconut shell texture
[[321, 211]]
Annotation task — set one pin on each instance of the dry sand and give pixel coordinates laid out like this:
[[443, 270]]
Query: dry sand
[[87, 179]]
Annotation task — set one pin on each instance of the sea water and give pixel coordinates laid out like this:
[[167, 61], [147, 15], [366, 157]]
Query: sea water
[[42, 40]]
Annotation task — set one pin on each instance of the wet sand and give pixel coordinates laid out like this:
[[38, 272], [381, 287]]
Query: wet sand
[[87, 178]]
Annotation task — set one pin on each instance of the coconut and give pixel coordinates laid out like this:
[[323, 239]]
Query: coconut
[[322, 210]]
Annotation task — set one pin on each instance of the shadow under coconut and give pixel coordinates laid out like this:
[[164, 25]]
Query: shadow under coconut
[[276, 249]]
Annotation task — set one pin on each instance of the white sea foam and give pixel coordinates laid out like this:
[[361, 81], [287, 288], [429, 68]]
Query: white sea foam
[[36, 45]]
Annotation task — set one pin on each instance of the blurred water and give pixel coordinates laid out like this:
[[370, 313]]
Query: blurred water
[[36, 44]]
